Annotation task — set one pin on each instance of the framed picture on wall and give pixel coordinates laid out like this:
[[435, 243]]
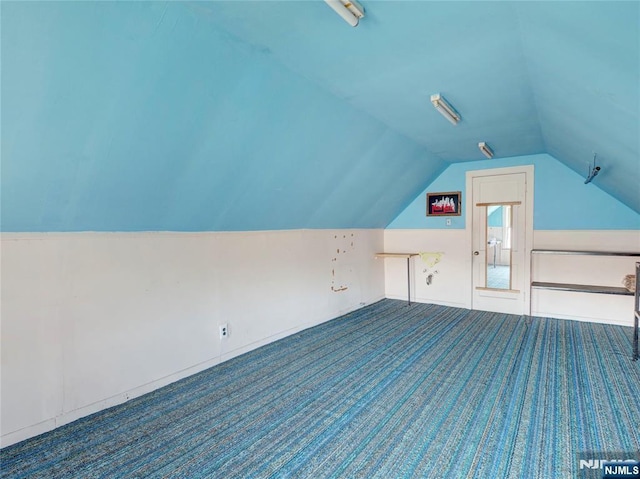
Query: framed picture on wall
[[444, 204]]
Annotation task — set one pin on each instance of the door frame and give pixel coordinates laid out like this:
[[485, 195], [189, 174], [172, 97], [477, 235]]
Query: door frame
[[528, 170]]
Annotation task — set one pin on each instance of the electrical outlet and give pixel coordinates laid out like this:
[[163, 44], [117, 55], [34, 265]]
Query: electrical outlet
[[448, 221], [224, 331]]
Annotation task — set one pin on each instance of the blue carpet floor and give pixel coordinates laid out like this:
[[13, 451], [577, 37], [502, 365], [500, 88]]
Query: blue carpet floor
[[388, 391]]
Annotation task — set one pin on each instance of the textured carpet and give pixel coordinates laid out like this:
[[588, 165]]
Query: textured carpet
[[388, 391]]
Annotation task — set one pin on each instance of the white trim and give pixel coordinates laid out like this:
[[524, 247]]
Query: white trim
[[48, 235], [425, 300], [584, 319]]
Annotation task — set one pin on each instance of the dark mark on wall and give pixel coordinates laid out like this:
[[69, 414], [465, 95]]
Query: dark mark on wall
[[342, 273], [429, 278]]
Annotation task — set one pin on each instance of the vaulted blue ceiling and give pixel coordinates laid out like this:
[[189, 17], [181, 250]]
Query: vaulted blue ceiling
[[204, 116]]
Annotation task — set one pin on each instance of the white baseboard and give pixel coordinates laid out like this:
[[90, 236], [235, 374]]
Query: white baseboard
[[586, 319], [75, 414], [424, 300], [14, 437]]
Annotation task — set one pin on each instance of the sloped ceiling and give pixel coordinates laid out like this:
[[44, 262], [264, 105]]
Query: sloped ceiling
[[241, 115], [527, 77]]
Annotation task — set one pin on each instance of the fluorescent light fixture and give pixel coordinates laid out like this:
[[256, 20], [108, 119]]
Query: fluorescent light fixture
[[350, 10], [445, 109], [486, 151]]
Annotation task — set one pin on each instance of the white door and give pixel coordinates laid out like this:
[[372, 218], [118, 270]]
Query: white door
[[502, 219]]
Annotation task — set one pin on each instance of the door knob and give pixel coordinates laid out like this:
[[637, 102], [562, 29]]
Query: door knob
[[476, 253]]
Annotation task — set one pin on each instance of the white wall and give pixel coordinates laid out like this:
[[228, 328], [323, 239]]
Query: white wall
[[597, 270], [451, 277], [92, 319]]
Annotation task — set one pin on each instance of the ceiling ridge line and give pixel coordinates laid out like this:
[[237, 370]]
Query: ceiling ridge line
[[527, 68]]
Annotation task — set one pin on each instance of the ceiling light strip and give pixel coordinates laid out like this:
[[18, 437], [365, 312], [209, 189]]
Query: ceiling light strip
[[445, 108], [486, 151], [350, 11]]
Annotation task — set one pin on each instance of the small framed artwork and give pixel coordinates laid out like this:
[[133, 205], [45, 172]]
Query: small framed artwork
[[444, 204]]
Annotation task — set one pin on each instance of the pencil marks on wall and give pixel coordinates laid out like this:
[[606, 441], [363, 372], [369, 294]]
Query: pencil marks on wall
[[341, 263]]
